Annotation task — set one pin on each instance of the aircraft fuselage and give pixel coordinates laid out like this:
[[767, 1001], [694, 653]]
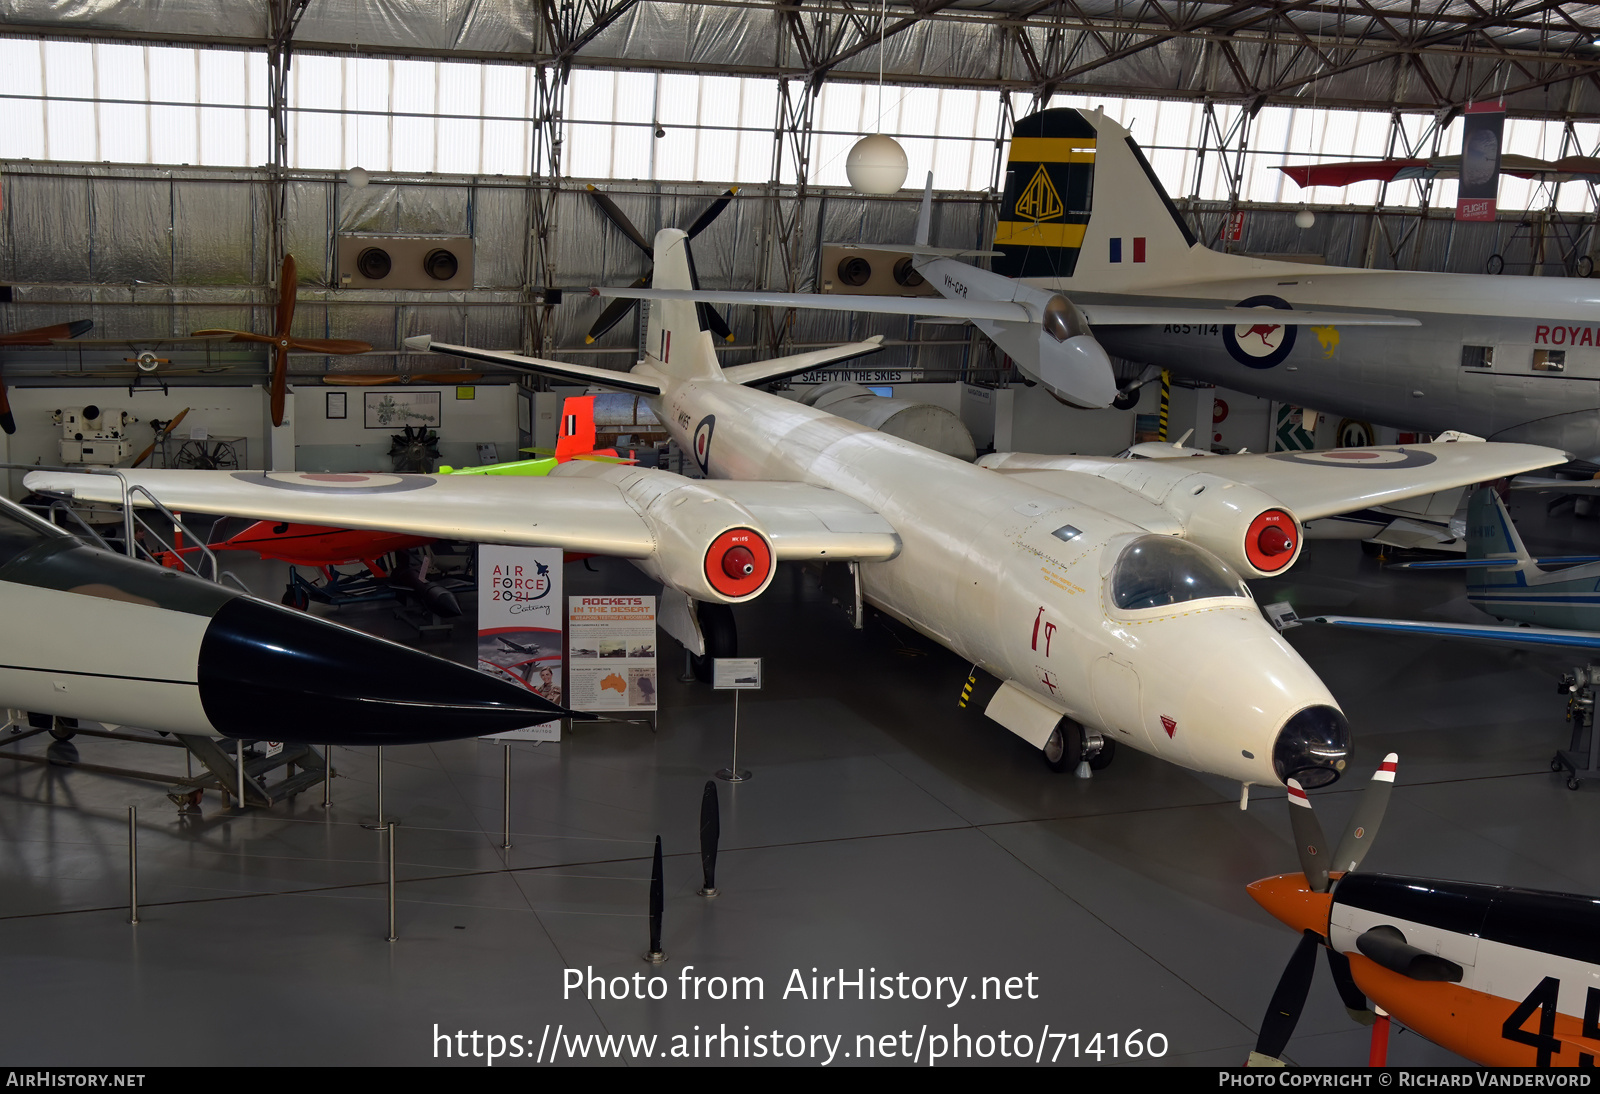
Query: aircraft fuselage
[[1015, 579]]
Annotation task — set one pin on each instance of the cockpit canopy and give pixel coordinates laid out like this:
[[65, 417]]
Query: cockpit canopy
[[1157, 571], [1063, 320]]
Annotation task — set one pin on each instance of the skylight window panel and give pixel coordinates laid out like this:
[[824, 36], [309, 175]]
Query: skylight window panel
[[678, 101]]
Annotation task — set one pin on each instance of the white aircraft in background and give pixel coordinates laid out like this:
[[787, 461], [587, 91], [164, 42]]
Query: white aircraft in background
[[1108, 596], [1090, 248]]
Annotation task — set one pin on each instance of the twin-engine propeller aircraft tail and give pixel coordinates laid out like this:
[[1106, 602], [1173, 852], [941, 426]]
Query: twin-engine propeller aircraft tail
[[1107, 596]]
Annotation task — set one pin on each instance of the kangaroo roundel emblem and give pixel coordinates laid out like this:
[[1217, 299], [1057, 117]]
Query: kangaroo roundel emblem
[[1260, 344], [702, 443]]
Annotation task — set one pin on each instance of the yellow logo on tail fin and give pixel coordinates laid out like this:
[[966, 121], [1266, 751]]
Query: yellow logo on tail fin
[[1039, 200]]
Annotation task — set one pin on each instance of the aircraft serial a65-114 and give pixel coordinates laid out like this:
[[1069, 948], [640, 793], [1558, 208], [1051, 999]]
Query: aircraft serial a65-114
[[1108, 596]]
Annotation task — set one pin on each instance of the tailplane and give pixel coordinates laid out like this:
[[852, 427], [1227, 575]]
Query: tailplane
[[674, 340], [577, 434]]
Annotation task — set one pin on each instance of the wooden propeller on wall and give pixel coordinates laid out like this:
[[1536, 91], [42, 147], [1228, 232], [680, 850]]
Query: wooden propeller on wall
[[282, 341]]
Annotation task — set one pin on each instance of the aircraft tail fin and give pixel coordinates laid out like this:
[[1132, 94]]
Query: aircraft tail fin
[[925, 214], [675, 342], [1082, 202], [577, 434], [1491, 534]]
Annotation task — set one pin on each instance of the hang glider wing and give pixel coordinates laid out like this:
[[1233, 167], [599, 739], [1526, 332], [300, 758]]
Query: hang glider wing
[[1003, 310], [562, 370], [1326, 483], [593, 509], [1012, 311], [1521, 637], [1566, 169]]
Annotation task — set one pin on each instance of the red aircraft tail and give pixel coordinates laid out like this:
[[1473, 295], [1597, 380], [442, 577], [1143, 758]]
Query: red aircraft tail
[[577, 435]]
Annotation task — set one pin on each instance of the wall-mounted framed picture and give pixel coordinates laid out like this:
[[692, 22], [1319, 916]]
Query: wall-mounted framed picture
[[390, 409], [336, 403]]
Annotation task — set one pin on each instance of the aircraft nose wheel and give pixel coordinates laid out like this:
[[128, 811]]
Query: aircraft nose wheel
[[295, 597]]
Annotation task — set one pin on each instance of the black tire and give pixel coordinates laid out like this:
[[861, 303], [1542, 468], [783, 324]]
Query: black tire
[[1585, 266], [1496, 264], [1556, 764], [1126, 400], [721, 635], [1103, 758], [1573, 784], [1064, 748], [295, 597], [1371, 549]]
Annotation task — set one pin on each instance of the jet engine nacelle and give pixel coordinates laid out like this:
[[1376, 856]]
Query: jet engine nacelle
[[708, 546], [1246, 528]]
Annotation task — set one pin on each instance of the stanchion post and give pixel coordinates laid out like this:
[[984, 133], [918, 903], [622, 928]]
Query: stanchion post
[[238, 766], [505, 842], [377, 825], [657, 905], [393, 935], [327, 776], [710, 832], [133, 864]]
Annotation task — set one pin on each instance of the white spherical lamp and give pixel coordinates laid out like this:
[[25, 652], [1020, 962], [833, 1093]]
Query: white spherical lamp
[[877, 165], [357, 177], [1305, 218]]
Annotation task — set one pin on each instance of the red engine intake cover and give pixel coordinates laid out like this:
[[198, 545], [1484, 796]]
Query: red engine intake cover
[[1272, 540], [738, 562]]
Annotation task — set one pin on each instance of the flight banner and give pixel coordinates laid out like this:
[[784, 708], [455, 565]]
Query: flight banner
[[519, 625], [613, 652], [1483, 128]]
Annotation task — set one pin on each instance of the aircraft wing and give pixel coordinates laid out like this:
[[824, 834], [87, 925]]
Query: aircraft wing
[[759, 372], [582, 511], [1557, 486], [1142, 315], [1522, 637], [1324, 484], [564, 370]]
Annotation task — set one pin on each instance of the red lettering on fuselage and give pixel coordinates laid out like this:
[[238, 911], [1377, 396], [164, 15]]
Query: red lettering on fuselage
[[1541, 334]]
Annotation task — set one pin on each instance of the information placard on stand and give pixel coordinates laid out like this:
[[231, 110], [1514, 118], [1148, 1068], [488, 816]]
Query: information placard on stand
[[519, 626], [613, 652], [741, 673]]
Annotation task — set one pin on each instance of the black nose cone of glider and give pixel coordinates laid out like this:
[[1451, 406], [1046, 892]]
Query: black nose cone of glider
[[1312, 747], [269, 673]]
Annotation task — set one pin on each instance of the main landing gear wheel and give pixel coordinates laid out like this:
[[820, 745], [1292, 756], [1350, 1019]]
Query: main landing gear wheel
[[1125, 400], [1063, 749], [1102, 759], [296, 598], [721, 635]]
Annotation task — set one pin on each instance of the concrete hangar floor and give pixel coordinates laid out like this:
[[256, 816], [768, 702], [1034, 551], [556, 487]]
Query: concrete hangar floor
[[885, 829]]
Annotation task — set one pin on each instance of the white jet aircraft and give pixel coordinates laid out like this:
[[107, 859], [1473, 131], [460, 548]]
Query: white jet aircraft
[[1108, 596]]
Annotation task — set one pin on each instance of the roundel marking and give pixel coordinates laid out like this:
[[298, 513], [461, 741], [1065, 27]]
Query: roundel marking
[[1264, 344], [1271, 541], [702, 442], [1376, 459], [747, 546], [334, 483]]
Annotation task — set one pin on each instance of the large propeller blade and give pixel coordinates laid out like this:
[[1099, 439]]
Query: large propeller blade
[[38, 336], [282, 341], [1357, 838], [1309, 843], [618, 309], [1289, 999], [616, 216]]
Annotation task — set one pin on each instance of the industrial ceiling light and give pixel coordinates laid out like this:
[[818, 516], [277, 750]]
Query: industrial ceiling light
[[877, 164], [1305, 218], [357, 177]]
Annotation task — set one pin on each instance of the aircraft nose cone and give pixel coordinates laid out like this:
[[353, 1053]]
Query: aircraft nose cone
[[1288, 899], [1078, 370], [269, 673], [1313, 747]]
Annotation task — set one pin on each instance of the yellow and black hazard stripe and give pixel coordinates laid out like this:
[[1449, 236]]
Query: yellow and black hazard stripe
[[1049, 188]]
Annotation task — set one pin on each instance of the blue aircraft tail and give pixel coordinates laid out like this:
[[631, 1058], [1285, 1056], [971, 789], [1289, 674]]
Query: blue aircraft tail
[[1492, 535]]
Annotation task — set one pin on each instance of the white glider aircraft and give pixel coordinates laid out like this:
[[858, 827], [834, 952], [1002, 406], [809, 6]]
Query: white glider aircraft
[[1108, 596]]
